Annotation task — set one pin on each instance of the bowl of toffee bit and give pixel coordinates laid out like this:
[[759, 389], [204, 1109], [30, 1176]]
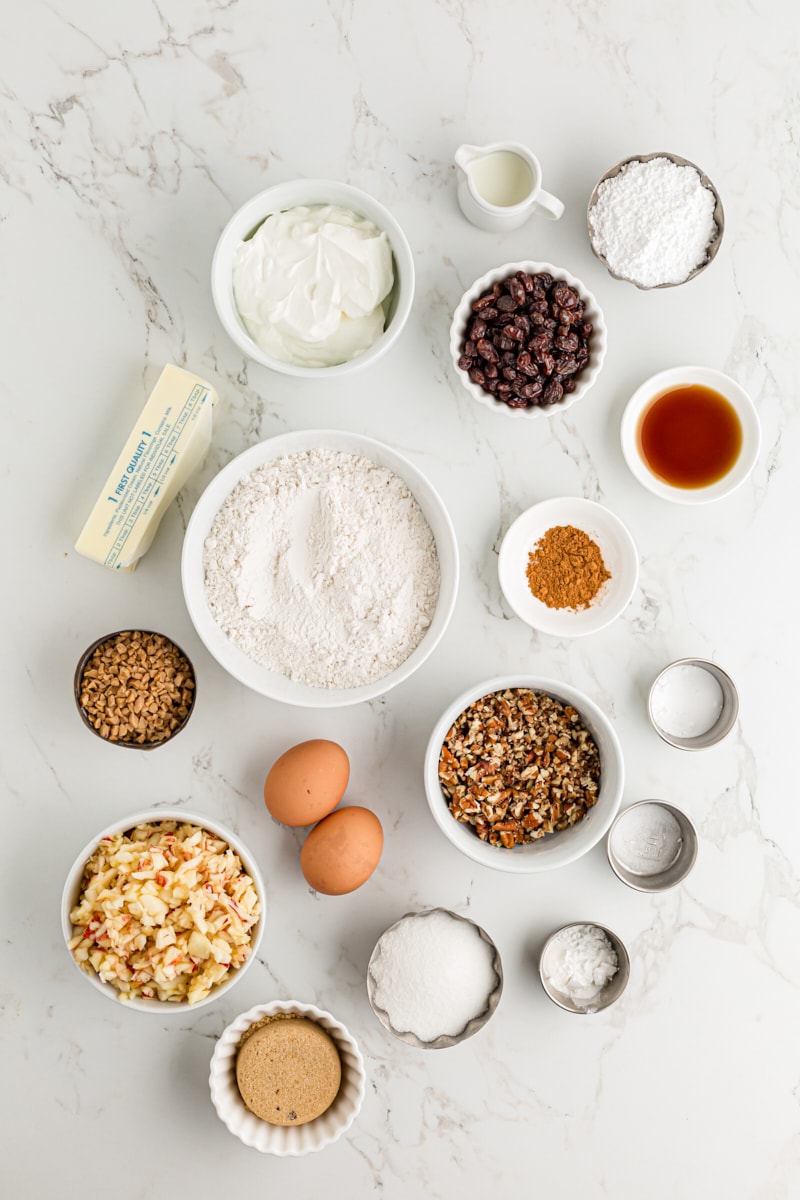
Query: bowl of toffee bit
[[528, 338], [523, 774], [135, 688]]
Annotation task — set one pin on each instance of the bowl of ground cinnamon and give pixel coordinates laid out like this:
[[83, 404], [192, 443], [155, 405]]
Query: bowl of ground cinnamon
[[568, 566]]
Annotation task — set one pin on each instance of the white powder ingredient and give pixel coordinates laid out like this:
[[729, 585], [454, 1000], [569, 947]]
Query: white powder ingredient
[[580, 962], [647, 839], [432, 975], [653, 222], [321, 566], [687, 701]]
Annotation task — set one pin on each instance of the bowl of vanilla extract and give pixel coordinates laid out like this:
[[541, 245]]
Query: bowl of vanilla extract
[[690, 435]]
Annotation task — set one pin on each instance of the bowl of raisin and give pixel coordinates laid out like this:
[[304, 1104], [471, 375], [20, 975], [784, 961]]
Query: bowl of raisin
[[528, 338]]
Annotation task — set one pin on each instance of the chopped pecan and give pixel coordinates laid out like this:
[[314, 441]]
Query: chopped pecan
[[517, 765]]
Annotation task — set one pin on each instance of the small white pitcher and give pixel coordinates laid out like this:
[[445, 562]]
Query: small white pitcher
[[500, 186]]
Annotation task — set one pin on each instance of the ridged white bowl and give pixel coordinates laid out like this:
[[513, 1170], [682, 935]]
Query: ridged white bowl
[[592, 312], [286, 1140]]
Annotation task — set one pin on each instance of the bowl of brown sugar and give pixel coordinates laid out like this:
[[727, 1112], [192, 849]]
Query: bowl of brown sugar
[[568, 566]]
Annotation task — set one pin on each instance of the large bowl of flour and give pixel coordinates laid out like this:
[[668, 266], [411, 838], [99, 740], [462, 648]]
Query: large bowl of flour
[[320, 568]]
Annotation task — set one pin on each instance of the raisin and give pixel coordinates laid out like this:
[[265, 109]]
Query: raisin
[[564, 296], [527, 341], [516, 291]]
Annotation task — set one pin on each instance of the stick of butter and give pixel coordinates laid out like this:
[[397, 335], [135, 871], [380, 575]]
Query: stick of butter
[[168, 442]]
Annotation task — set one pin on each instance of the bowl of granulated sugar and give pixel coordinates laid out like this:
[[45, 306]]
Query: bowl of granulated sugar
[[434, 979], [655, 220]]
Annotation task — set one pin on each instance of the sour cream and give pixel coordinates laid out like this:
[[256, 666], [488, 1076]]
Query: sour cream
[[310, 284]]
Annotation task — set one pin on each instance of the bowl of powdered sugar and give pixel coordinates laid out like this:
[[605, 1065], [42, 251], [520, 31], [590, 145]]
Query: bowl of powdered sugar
[[320, 568], [655, 220]]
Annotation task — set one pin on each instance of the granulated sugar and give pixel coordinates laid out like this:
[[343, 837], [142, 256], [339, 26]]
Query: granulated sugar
[[653, 222], [432, 974], [321, 566]]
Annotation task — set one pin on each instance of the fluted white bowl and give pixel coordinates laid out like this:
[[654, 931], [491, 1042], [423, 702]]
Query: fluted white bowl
[[592, 312], [286, 1140]]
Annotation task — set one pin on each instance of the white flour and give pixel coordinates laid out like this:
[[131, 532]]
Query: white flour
[[321, 566], [653, 222]]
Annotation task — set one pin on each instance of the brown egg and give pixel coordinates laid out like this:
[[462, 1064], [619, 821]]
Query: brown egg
[[342, 851], [307, 782]]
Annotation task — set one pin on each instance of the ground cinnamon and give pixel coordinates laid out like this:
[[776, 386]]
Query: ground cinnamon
[[565, 568]]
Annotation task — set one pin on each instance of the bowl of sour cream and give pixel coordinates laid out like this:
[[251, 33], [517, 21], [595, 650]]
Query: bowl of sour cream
[[313, 277]]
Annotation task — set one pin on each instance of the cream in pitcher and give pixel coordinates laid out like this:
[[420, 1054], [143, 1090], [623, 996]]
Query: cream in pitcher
[[499, 186]]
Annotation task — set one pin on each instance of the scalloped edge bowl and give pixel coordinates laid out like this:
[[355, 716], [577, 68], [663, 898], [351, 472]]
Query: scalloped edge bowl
[[593, 313], [285, 1140], [719, 217], [476, 1023]]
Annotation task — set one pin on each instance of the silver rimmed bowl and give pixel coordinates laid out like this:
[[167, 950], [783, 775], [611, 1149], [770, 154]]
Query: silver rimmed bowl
[[719, 216], [609, 993], [651, 860], [718, 728], [471, 1026]]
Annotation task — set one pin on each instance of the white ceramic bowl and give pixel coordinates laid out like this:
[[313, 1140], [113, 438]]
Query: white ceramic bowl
[[736, 396], [247, 219], [553, 850], [286, 1139], [616, 546], [229, 655], [69, 899], [463, 315]]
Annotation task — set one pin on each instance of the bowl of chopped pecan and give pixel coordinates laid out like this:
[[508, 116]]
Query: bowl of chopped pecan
[[526, 338], [524, 774]]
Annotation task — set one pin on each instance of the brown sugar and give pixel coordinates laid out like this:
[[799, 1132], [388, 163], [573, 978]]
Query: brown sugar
[[288, 1070], [566, 569]]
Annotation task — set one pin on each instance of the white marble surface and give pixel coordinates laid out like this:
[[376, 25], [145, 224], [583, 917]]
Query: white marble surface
[[129, 135]]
